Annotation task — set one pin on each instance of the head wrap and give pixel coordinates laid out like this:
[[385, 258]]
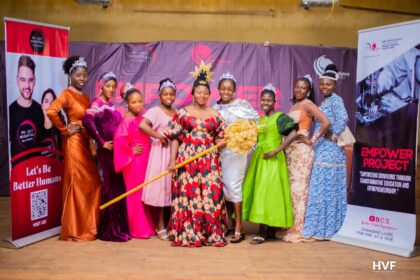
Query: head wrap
[[331, 72]]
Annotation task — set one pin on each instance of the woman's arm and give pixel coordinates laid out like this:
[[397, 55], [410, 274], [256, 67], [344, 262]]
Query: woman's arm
[[287, 140], [53, 113], [174, 154], [325, 122], [146, 127], [340, 119], [89, 124]]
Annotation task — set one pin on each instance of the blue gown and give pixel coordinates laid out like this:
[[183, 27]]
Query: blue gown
[[327, 199]]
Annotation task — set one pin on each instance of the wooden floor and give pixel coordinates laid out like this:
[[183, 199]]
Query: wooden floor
[[156, 259]]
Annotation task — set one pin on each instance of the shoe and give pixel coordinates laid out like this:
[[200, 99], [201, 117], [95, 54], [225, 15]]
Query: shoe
[[237, 237], [163, 234], [257, 240]]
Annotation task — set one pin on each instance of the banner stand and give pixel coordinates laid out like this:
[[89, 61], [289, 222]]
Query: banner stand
[[34, 55], [403, 252], [30, 239]]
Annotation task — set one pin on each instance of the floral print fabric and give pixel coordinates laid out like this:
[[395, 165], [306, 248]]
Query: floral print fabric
[[198, 212]]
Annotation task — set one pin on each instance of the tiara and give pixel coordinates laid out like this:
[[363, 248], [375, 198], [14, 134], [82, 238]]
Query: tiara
[[109, 76], [309, 78], [78, 63], [167, 83], [203, 69], [227, 76], [269, 87], [127, 87]]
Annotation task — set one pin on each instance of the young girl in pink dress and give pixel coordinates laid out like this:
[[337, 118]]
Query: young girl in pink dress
[[131, 153], [154, 122]]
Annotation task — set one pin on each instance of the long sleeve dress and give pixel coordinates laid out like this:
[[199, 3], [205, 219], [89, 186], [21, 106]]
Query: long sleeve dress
[[198, 215], [158, 193], [300, 157], [101, 121], [133, 166], [234, 164], [266, 189], [327, 199], [81, 184]]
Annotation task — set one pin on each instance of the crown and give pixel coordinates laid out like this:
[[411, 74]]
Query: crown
[[269, 87], [203, 69], [167, 83], [78, 63], [227, 76]]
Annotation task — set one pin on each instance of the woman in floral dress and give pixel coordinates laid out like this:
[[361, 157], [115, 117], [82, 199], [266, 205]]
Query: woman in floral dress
[[198, 210]]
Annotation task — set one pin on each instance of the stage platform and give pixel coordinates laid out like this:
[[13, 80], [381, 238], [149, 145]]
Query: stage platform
[[155, 259]]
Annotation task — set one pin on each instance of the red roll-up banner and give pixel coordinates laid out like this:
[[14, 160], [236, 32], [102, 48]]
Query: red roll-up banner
[[34, 56]]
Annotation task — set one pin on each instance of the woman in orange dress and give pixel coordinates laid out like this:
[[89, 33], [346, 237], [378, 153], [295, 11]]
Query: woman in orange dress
[[82, 184]]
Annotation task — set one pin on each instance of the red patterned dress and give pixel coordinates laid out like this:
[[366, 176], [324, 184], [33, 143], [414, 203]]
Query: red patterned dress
[[198, 210]]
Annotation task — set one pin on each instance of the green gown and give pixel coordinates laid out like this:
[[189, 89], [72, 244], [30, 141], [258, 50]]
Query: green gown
[[266, 189]]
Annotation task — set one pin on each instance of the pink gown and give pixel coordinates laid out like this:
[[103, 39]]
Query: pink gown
[[133, 167], [158, 193]]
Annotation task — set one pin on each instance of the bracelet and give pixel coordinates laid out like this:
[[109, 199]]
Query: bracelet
[[315, 137]]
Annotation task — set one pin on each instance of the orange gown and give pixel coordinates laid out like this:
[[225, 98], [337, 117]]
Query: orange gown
[[82, 184]]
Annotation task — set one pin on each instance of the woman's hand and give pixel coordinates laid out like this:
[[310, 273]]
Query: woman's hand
[[108, 145], [74, 128], [271, 154], [329, 136], [163, 140], [138, 149], [171, 165], [303, 139], [221, 143]]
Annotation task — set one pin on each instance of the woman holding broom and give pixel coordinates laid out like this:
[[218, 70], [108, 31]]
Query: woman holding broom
[[198, 212]]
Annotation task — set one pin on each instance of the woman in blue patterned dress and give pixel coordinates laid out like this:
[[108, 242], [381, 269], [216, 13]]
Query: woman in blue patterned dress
[[327, 200]]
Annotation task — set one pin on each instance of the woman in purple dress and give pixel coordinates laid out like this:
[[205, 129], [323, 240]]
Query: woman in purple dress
[[101, 121]]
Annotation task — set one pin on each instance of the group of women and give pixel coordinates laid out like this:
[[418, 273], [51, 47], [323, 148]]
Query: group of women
[[293, 185]]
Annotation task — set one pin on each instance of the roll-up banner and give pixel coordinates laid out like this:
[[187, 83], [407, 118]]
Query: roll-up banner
[[34, 56], [381, 213]]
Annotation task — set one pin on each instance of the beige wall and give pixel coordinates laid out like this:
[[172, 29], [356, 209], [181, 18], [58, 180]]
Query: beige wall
[[289, 25]]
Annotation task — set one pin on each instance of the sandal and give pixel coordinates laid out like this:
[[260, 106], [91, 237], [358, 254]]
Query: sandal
[[307, 239], [237, 237], [163, 234], [256, 240]]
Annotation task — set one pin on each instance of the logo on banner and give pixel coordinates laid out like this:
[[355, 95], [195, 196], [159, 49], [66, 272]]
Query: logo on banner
[[381, 220], [26, 134], [323, 61], [201, 52], [372, 46], [37, 41]]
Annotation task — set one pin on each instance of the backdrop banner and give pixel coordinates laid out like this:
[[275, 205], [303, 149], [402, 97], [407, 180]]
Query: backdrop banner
[[145, 64], [381, 213], [34, 56], [253, 66]]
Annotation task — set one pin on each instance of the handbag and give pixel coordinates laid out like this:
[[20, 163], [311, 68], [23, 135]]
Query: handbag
[[346, 138]]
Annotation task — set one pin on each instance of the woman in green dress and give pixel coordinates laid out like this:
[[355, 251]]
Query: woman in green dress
[[266, 190]]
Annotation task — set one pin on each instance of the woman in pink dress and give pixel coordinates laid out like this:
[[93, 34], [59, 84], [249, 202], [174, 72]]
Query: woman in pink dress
[[131, 153], [154, 122]]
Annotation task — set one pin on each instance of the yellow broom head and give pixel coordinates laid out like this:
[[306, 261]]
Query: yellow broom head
[[241, 136]]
